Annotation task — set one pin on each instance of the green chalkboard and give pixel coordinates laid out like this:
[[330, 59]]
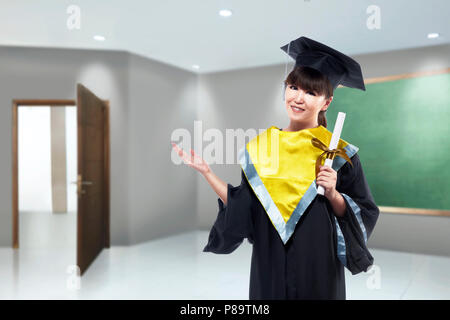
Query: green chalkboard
[[402, 129]]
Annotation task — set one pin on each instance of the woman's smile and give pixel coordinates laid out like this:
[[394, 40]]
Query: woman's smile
[[297, 109]]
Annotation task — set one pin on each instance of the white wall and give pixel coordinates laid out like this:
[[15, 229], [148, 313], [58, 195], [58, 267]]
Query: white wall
[[34, 159], [162, 194], [71, 157], [34, 145]]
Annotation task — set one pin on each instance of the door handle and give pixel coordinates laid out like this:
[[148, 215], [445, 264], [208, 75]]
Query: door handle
[[83, 182], [80, 183]]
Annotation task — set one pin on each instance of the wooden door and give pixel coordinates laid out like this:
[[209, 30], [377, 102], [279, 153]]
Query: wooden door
[[93, 171]]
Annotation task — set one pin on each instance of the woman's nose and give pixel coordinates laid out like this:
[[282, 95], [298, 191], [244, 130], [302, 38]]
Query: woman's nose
[[299, 97]]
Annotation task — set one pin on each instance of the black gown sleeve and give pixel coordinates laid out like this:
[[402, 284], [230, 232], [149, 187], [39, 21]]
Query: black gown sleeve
[[234, 222], [360, 216]]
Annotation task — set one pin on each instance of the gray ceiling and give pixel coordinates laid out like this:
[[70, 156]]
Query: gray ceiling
[[183, 33]]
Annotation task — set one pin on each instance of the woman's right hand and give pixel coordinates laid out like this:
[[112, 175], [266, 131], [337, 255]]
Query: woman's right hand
[[193, 161]]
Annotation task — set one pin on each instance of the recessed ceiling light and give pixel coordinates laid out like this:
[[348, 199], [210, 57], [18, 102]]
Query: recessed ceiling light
[[433, 35], [99, 38], [225, 13], [195, 66]]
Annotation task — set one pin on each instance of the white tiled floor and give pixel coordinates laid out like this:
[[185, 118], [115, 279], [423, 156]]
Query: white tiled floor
[[176, 268]]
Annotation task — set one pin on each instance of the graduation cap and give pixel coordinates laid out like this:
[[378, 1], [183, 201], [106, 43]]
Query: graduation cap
[[336, 66]]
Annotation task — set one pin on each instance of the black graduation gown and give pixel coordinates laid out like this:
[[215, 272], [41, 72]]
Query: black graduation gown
[[307, 266]]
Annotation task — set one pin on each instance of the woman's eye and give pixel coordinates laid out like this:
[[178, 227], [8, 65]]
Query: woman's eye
[[312, 93], [293, 87]]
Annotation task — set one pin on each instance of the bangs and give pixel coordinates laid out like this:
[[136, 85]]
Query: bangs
[[310, 79]]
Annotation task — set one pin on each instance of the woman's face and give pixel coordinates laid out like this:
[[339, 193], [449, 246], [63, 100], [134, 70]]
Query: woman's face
[[304, 106]]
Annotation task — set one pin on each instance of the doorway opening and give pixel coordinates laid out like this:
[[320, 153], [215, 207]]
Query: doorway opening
[[47, 168], [91, 202]]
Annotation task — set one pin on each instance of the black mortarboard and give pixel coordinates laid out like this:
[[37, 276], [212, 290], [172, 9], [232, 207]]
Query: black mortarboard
[[336, 66]]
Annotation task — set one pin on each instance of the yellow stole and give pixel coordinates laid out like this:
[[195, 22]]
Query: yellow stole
[[286, 164]]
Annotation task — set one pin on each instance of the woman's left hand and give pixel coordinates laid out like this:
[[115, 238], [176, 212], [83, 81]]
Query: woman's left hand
[[327, 178]]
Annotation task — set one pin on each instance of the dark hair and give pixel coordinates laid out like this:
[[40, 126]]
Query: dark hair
[[312, 80]]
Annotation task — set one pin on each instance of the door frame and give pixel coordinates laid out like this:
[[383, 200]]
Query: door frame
[[15, 165]]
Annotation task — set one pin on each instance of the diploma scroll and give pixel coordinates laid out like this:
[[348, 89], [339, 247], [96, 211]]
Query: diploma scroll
[[333, 143]]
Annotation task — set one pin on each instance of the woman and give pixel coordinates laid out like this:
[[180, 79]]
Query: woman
[[301, 240]]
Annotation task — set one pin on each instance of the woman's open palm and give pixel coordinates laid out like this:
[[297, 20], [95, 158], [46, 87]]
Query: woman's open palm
[[193, 160]]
